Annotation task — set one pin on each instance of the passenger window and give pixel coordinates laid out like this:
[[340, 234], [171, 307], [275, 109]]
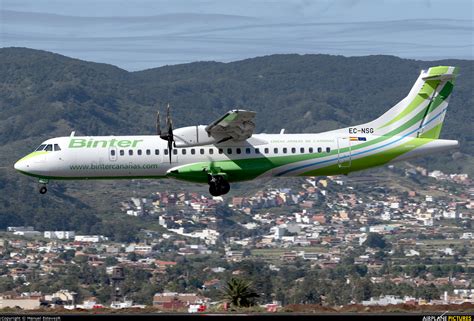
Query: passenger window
[[40, 147], [275, 150], [320, 150], [157, 152], [239, 151], [257, 150], [293, 150], [221, 151], [266, 150], [148, 152], [130, 152], [302, 150], [49, 148], [247, 151], [56, 147], [139, 152], [284, 150], [211, 151], [175, 152], [183, 151], [193, 151], [310, 149], [229, 150], [112, 152], [122, 152], [166, 152], [201, 151], [328, 149]]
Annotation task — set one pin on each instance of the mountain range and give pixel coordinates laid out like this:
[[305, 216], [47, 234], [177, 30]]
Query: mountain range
[[43, 95]]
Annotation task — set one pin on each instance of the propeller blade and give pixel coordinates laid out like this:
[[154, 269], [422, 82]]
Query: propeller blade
[[168, 116], [170, 148], [169, 133], [158, 124]]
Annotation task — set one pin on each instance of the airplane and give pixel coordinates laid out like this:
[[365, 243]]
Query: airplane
[[227, 150]]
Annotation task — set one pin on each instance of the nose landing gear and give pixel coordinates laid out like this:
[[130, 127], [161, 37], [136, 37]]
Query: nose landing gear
[[218, 185], [42, 185], [43, 189]]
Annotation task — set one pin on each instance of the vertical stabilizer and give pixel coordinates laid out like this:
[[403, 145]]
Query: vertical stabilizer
[[421, 113]]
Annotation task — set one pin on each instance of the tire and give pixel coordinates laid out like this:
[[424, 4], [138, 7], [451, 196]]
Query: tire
[[224, 187], [43, 190], [213, 190]]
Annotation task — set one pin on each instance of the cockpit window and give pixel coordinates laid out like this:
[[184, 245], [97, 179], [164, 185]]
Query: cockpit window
[[49, 148], [56, 147], [40, 147]]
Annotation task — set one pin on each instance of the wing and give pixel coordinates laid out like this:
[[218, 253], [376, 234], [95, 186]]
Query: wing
[[236, 125]]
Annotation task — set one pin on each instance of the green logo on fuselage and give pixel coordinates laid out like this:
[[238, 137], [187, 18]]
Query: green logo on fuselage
[[91, 143]]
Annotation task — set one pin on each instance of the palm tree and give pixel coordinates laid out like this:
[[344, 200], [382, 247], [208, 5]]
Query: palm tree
[[239, 293]]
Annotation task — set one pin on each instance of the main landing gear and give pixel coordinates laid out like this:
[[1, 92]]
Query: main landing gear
[[218, 185], [42, 185]]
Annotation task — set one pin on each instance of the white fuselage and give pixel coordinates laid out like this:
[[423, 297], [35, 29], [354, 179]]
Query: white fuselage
[[147, 156]]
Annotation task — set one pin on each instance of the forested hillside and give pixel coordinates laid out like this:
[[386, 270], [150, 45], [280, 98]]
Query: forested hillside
[[44, 94]]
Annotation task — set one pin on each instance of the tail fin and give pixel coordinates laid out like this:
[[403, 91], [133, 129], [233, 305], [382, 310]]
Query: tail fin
[[421, 113]]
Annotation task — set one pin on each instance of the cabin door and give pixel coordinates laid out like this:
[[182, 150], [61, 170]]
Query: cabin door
[[344, 157]]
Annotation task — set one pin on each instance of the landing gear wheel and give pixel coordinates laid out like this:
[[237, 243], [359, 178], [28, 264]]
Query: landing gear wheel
[[43, 190], [224, 187], [213, 190], [218, 185]]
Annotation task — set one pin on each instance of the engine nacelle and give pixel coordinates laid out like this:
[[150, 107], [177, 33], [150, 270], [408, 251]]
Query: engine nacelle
[[192, 136]]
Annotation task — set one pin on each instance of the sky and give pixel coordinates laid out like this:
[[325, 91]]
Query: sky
[[142, 34]]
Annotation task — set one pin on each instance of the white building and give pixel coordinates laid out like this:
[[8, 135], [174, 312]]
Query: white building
[[386, 216], [428, 222], [90, 238], [449, 214], [310, 256], [27, 233], [467, 236], [162, 221], [412, 252], [59, 235], [448, 251], [278, 232], [63, 295], [395, 205], [139, 248], [383, 300]]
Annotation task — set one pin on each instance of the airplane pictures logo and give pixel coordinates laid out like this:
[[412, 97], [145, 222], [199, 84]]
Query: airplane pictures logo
[[447, 318]]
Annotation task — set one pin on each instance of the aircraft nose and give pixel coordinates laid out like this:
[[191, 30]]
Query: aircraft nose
[[21, 166]]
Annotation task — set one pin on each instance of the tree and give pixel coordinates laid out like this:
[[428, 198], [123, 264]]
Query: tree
[[67, 255], [428, 292], [132, 256], [110, 261], [375, 240], [362, 289], [239, 293]]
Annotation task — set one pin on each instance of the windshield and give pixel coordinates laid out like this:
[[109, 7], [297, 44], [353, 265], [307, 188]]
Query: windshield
[[40, 147], [48, 148]]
